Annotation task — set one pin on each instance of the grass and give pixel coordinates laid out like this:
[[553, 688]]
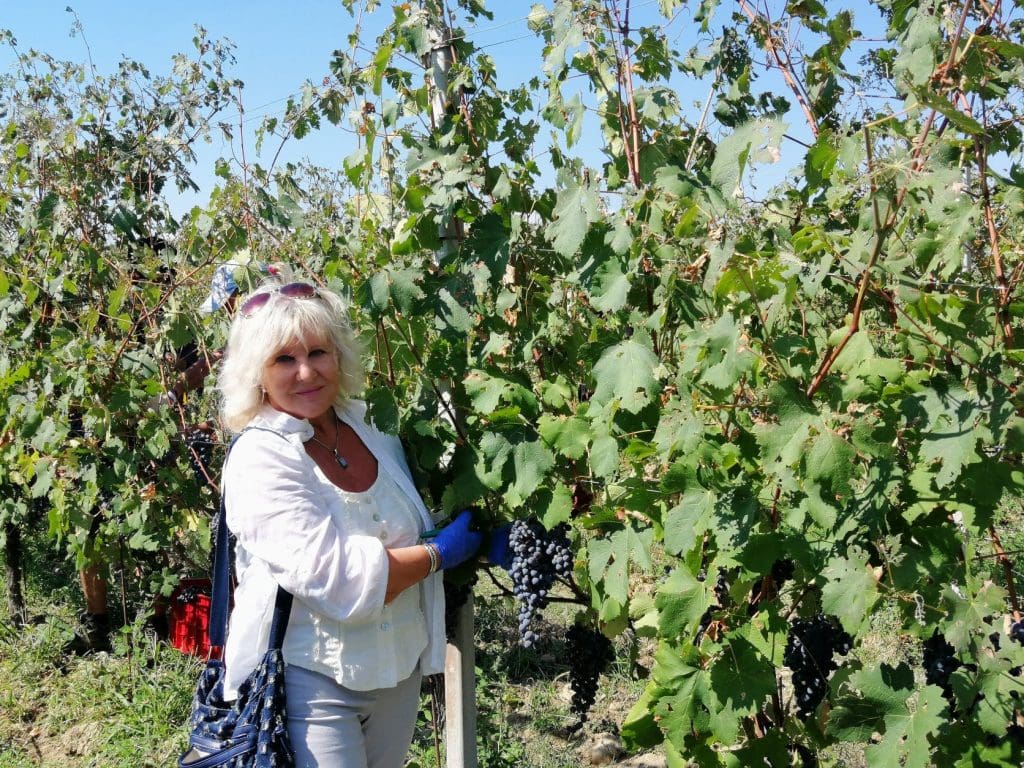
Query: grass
[[110, 710]]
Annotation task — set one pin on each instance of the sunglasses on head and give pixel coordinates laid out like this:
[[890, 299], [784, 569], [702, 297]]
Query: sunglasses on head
[[257, 301]]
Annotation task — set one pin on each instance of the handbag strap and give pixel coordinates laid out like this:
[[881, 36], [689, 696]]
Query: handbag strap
[[217, 629]]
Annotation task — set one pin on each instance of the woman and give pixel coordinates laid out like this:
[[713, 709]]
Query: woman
[[323, 504]]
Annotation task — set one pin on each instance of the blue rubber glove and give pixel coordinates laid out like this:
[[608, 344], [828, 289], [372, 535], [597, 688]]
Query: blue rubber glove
[[456, 543], [497, 548]]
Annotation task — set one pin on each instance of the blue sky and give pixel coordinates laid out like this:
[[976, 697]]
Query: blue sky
[[281, 45]]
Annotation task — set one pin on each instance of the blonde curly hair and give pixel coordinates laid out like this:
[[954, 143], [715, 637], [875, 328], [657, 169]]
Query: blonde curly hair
[[255, 340]]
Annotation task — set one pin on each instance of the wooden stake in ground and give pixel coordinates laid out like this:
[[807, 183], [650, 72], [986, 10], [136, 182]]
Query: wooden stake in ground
[[460, 660]]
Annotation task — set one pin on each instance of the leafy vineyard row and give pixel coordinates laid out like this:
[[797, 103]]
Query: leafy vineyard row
[[761, 424]]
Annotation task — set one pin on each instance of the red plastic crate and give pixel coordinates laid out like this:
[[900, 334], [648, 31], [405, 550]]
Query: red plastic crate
[[189, 617]]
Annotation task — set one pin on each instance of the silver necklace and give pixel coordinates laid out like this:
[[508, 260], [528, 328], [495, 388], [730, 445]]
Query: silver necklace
[[342, 461]]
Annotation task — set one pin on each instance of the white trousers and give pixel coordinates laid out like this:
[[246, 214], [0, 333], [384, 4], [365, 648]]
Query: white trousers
[[332, 726]]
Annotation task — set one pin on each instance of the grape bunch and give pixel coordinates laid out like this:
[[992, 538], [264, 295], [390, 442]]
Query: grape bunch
[[539, 557], [782, 571], [810, 648], [590, 653], [722, 588], [1017, 631], [939, 662], [199, 448]]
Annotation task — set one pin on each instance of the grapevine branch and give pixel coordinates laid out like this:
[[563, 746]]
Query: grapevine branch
[[993, 239], [1004, 561], [783, 62], [918, 156], [441, 399], [881, 230]]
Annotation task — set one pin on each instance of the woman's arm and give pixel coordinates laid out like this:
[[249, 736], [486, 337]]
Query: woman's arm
[[406, 566]]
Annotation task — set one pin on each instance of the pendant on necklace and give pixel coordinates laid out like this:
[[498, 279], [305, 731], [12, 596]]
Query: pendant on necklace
[[340, 459]]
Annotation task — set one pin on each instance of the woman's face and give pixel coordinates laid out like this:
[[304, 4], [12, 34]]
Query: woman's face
[[301, 378]]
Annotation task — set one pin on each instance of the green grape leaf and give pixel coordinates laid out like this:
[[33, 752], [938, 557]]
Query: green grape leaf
[[742, 679], [687, 522], [555, 394], [718, 353], [577, 207], [449, 314], [568, 435], [681, 601], [951, 438], [625, 373], [683, 689], [989, 690], [785, 442], [832, 461], [383, 409], [639, 728], [967, 614], [679, 430], [489, 243], [604, 456], [404, 288], [906, 739], [916, 60], [559, 509], [487, 393], [609, 560], [607, 284], [872, 694], [531, 462], [850, 590], [495, 451], [754, 142]]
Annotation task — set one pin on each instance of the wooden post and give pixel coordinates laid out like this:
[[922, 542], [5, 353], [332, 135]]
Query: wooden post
[[460, 693], [460, 658]]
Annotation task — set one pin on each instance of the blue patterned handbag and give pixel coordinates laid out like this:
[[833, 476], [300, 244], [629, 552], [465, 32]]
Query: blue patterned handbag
[[249, 732]]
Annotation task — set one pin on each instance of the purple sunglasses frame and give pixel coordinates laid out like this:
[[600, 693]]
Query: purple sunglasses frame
[[257, 301]]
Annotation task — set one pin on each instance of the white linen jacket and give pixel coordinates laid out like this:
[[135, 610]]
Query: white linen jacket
[[278, 508]]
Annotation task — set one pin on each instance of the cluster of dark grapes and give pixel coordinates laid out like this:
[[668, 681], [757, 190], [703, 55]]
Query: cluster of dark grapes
[[455, 595], [199, 447], [939, 662], [1017, 631], [782, 571], [810, 648], [539, 557], [590, 653], [721, 590]]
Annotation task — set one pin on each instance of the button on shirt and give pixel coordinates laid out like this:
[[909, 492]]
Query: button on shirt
[[327, 547]]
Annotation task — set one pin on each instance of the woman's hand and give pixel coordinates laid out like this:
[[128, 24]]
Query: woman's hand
[[456, 543], [498, 552]]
